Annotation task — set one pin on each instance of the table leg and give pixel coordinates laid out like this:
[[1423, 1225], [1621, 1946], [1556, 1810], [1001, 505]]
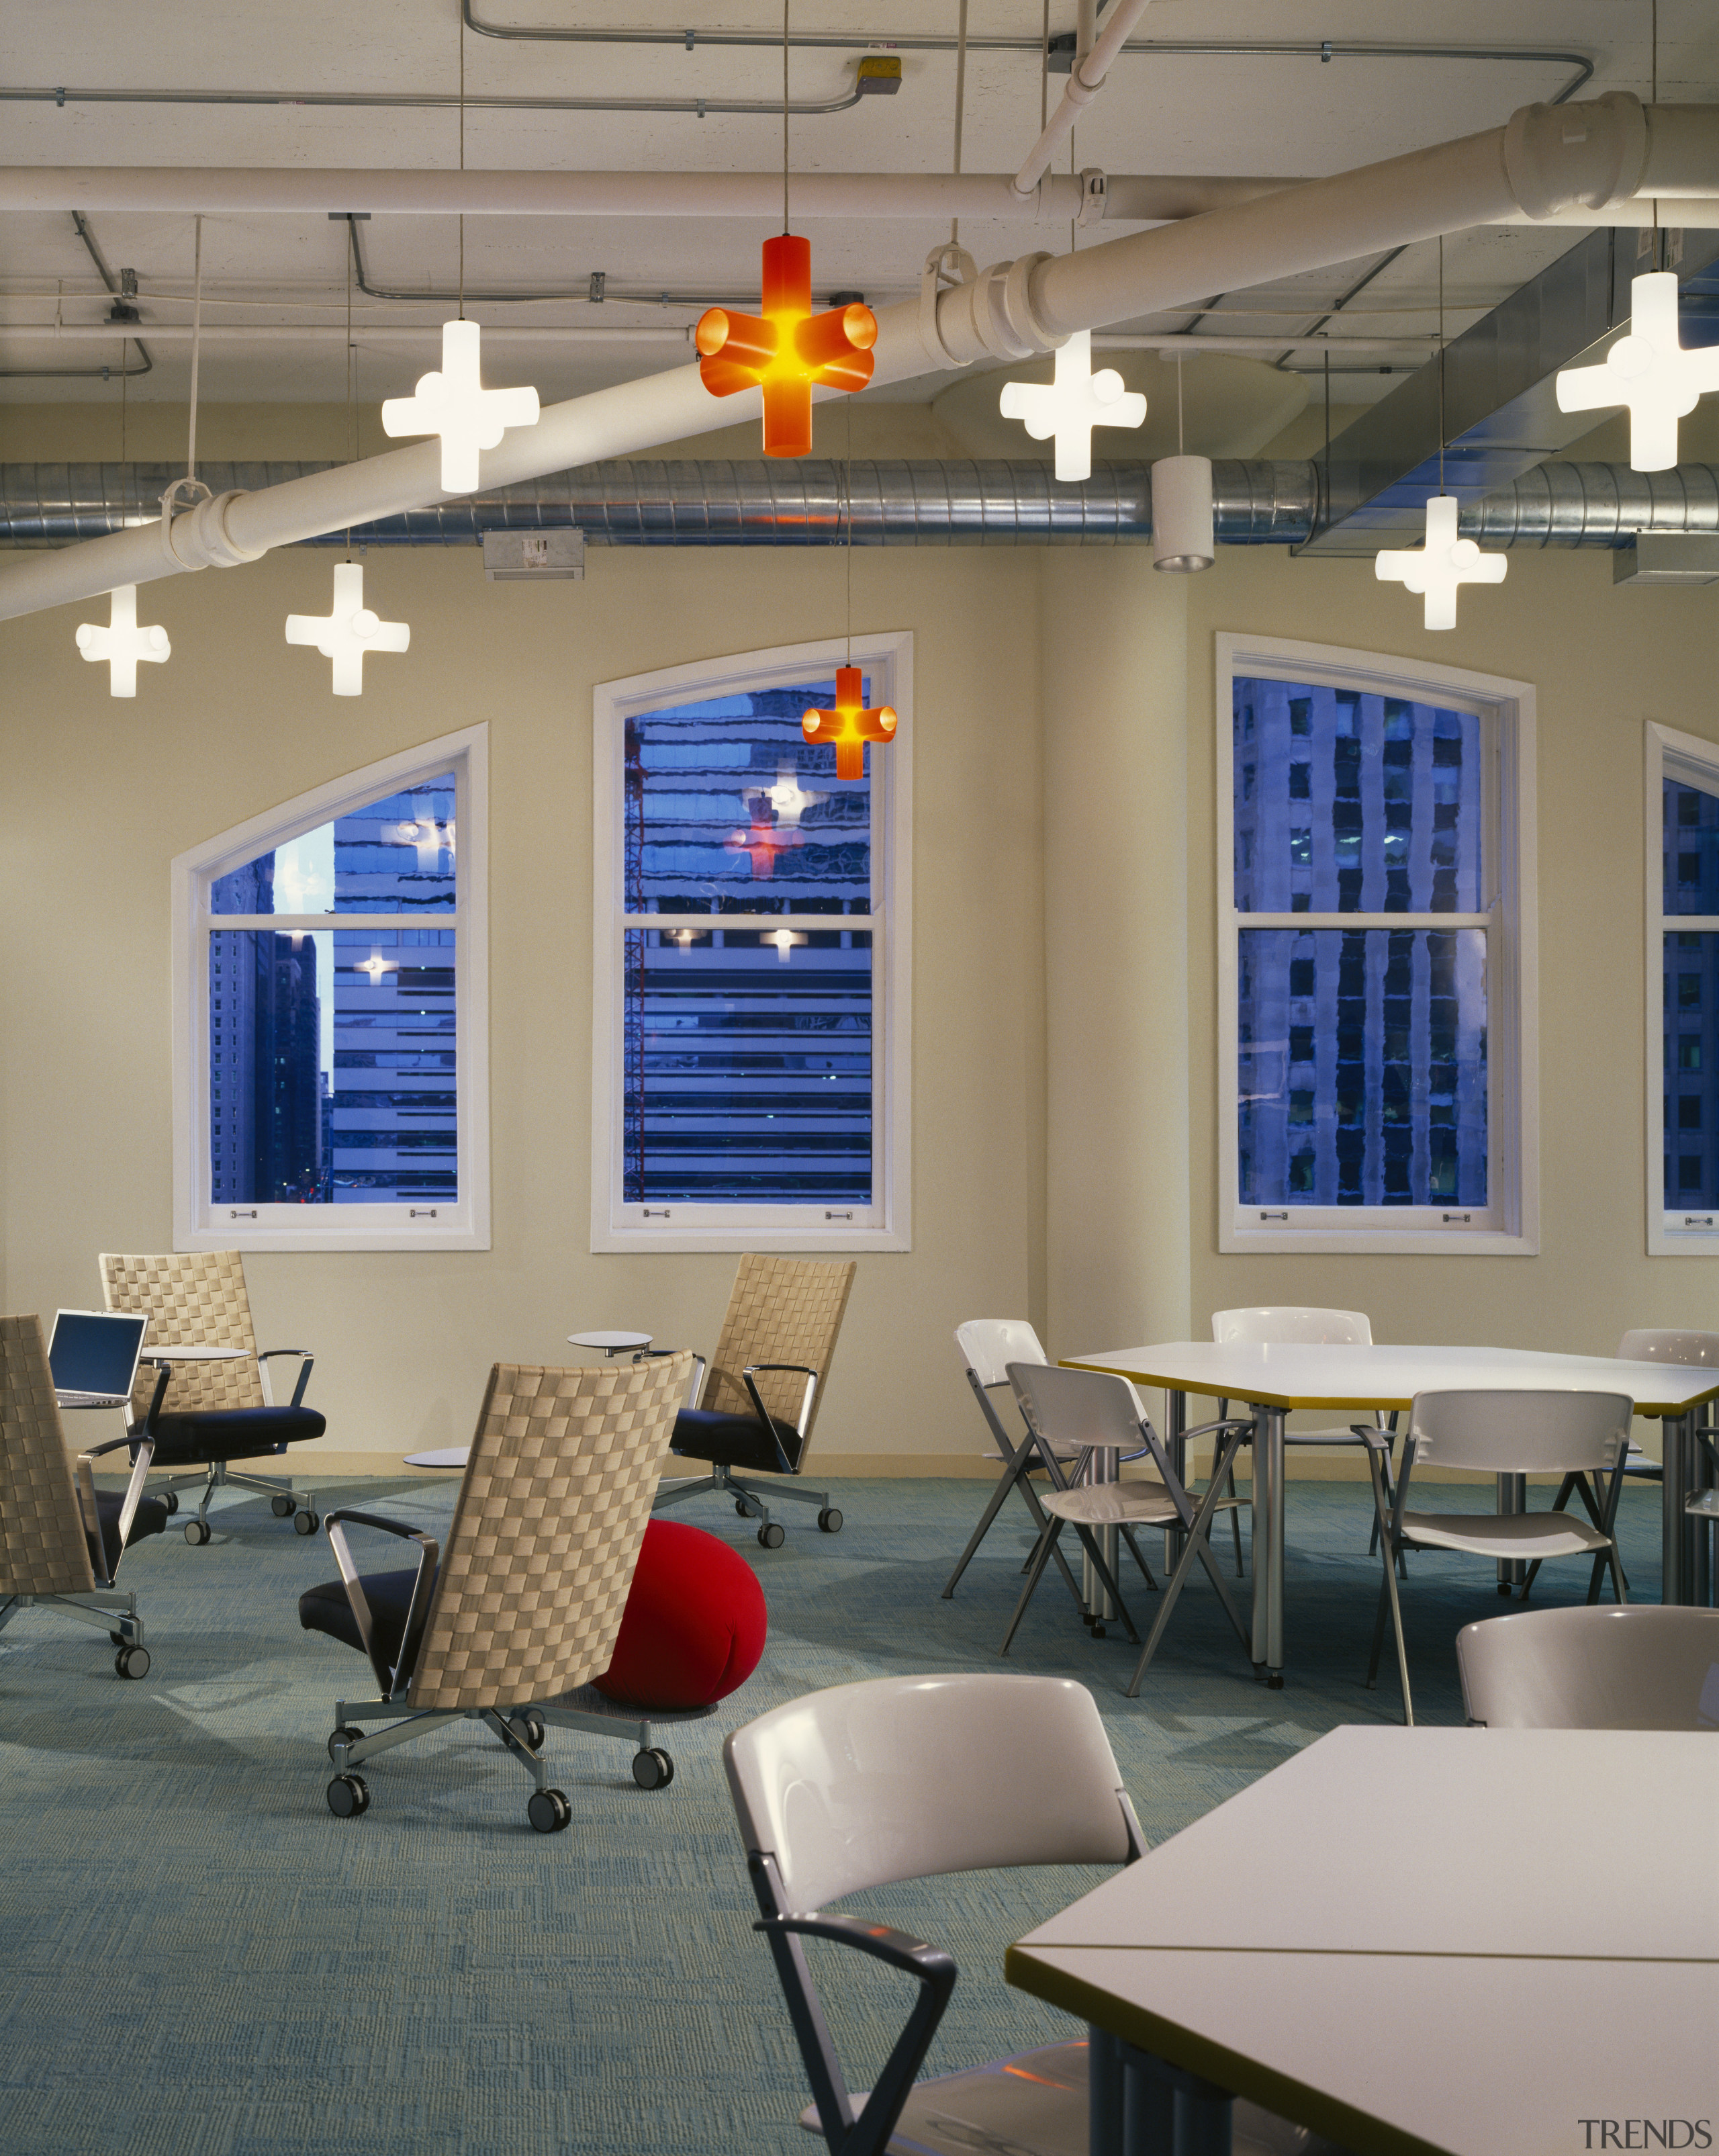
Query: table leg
[[1176, 1450], [1683, 1543], [1101, 1466], [1512, 1497], [1268, 1546]]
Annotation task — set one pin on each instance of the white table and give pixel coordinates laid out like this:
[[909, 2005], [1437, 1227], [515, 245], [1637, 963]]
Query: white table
[[1409, 1940], [611, 1344], [1276, 1378]]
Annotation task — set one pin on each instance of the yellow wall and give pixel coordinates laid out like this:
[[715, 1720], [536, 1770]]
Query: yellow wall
[[1065, 1030]]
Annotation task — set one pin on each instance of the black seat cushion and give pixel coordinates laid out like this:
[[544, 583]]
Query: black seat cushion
[[738, 1440], [326, 1609], [193, 1439], [149, 1519]]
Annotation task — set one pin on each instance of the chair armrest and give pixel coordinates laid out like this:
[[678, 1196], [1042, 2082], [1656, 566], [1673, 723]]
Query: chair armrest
[[306, 1357], [883, 1942], [164, 1377], [88, 1511], [752, 1371], [1225, 1423], [1371, 1435], [393, 1681]]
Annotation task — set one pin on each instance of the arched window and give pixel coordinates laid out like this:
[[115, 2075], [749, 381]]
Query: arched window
[[750, 1040], [331, 1024]]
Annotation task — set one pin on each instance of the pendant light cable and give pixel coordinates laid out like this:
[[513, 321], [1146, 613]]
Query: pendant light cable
[[352, 390], [1441, 362], [1181, 442], [848, 489], [1653, 98], [462, 160], [1044, 71], [196, 348], [959, 104], [784, 115]]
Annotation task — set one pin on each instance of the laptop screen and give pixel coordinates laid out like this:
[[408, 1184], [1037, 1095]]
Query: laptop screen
[[95, 1351]]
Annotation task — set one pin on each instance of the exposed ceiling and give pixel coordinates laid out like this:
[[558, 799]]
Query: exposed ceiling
[[1289, 113]]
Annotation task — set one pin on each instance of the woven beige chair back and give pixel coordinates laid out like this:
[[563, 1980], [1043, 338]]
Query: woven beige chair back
[[193, 1299], [43, 1549], [783, 1310], [546, 1530]]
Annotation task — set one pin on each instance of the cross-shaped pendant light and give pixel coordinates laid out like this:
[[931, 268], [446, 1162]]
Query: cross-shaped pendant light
[[851, 725], [1071, 405], [455, 404], [1440, 564], [348, 630], [122, 643], [1650, 372]]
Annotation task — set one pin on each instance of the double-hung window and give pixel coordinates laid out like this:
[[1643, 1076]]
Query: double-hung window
[[1683, 994], [1375, 954], [749, 1036], [330, 1035]]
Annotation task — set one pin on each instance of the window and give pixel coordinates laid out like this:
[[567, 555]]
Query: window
[[1376, 1070], [750, 1042], [1683, 994], [331, 1030]]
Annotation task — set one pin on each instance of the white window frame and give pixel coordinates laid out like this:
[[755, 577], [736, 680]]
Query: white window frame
[[886, 1225], [1671, 1232], [1510, 1223], [199, 1225]]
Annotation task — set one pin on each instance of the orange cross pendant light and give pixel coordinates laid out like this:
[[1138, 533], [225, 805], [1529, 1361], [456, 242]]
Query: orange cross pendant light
[[849, 725], [788, 349]]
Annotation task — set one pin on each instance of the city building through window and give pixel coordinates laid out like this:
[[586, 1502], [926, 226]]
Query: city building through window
[[1376, 1065], [751, 978], [1683, 994], [330, 1040]]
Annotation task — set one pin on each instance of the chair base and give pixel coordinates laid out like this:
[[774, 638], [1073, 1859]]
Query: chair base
[[111, 1609], [748, 1499], [653, 1768], [220, 1474]]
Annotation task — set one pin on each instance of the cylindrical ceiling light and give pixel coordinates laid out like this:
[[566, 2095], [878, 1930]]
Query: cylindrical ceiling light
[[1182, 514]]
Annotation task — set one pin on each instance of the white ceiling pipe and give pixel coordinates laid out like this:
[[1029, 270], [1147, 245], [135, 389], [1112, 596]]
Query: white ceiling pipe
[[362, 331], [1539, 163], [243, 190], [1085, 80]]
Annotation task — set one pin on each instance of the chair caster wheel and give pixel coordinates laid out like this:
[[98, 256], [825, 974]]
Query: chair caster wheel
[[304, 1523], [653, 1770], [170, 1502], [549, 1811], [131, 1662], [347, 1796], [741, 1507], [352, 1736], [197, 1532], [830, 1520], [1275, 1681], [528, 1728], [280, 1507], [770, 1536]]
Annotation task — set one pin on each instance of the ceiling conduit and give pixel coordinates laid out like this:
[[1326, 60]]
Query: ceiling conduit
[[804, 502], [1546, 158]]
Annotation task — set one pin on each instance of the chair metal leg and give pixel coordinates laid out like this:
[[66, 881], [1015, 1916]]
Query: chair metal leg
[[1388, 1594], [1005, 1483], [1041, 1558], [1194, 1546], [1008, 1480]]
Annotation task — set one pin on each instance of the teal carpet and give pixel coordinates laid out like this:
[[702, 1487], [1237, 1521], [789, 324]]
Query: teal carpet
[[198, 1960]]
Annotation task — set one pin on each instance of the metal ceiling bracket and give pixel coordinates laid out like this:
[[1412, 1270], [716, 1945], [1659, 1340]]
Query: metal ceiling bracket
[[945, 267], [1094, 197], [1569, 157]]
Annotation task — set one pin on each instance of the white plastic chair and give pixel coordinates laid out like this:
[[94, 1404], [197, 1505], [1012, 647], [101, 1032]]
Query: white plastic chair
[[1091, 1410], [988, 1346], [1299, 1324], [906, 1778], [1502, 1433], [1640, 1668]]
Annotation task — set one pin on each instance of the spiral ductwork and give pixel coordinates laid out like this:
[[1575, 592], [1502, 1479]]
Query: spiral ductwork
[[808, 502]]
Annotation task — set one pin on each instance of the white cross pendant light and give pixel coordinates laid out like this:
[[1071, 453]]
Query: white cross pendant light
[[122, 644], [1649, 371], [348, 630], [456, 405], [1073, 404], [1437, 567]]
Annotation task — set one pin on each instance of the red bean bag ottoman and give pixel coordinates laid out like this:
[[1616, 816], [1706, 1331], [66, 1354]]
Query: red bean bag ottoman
[[695, 1622]]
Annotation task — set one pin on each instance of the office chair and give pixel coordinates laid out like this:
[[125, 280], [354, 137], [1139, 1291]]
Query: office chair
[[750, 1413], [988, 1346], [1629, 1668], [208, 1414], [527, 1603], [906, 1778], [61, 1541], [1501, 1433]]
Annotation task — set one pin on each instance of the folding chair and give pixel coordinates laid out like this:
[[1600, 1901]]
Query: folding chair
[[60, 1541], [988, 1345], [1090, 1411], [1640, 1668], [1501, 1433], [906, 1778]]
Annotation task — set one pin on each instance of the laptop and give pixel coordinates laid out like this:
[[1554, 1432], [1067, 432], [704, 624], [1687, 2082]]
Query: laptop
[[93, 1355]]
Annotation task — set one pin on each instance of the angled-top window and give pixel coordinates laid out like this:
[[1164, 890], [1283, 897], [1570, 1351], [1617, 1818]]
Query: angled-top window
[[1373, 951], [1683, 994], [745, 1035], [331, 1034]]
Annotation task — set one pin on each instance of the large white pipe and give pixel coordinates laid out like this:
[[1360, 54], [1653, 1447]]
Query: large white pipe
[[1085, 80], [1547, 159]]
